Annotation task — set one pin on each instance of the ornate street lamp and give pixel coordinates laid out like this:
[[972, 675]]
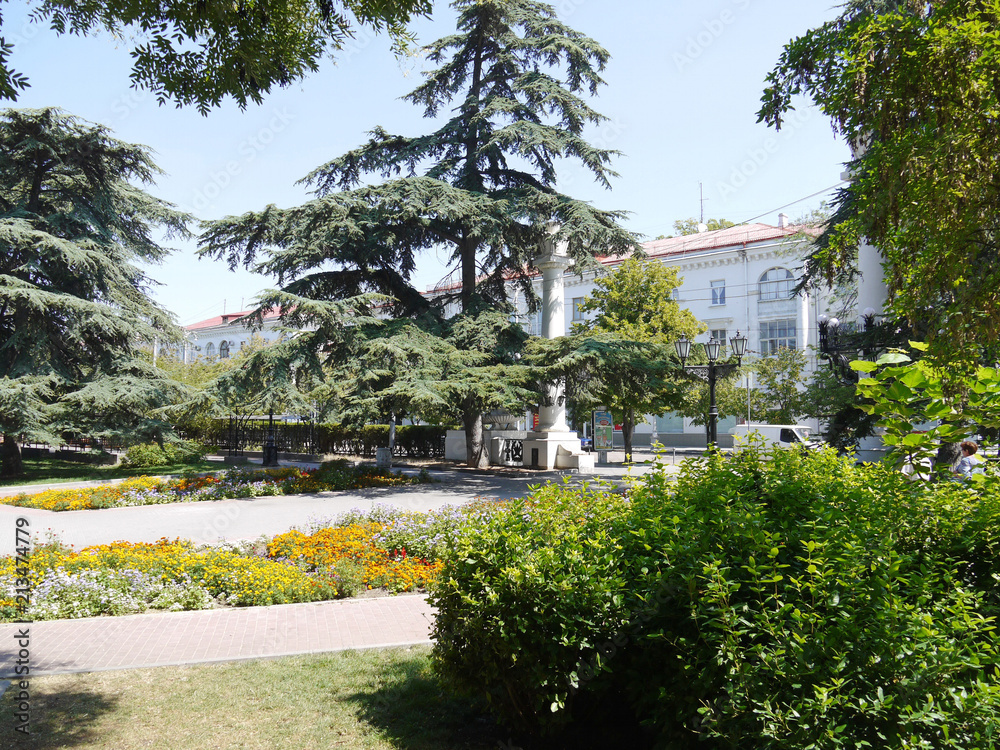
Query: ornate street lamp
[[711, 371]]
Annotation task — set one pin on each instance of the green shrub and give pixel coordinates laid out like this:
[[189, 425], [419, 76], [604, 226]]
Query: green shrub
[[526, 588], [184, 452], [800, 602], [144, 456], [150, 454], [806, 602]]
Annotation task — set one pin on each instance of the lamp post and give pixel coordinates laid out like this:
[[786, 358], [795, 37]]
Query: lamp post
[[711, 371]]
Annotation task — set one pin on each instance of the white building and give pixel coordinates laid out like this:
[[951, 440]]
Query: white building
[[736, 279], [224, 335]]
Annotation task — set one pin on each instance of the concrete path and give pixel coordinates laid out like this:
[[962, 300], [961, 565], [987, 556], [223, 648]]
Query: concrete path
[[249, 518], [162, 639]]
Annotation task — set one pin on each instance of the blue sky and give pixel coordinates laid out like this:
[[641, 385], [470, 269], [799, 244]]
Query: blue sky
[[683, 88]]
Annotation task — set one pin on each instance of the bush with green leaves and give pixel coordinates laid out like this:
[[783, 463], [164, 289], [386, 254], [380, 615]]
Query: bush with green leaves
[[526, 589], [797, 602], [808, 602], [146, 455]]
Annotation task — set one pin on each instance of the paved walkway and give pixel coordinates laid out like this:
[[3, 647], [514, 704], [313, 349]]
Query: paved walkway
[[174, 638], [162, 639]]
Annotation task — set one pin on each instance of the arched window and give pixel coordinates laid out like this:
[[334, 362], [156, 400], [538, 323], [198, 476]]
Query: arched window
[[210, 350], [224, 350], [776, 283]]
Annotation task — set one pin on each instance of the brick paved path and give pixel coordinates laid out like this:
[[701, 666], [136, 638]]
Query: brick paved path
[[171, 638]]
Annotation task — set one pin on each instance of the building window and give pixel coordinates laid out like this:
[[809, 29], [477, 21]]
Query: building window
[[577, 312], [776, 283], [671, 422], [719, 334], [718, 292], [676, 294], [210, 350], [224, 350], [776, 334]]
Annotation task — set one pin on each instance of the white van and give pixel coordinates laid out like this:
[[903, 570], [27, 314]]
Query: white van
[[773, 435]]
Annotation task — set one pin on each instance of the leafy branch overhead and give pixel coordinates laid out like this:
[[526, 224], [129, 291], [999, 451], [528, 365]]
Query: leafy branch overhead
[[912, 86], [201, 53]]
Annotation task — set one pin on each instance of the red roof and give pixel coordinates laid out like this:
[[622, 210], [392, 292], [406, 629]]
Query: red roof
[[228, 319], [741, 234]]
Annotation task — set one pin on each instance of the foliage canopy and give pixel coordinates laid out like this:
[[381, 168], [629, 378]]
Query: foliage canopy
[[74, 304], [200, 53], [911, 86]]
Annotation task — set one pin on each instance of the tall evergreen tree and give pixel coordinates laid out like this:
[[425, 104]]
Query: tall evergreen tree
[[483, 185], [73, 301]]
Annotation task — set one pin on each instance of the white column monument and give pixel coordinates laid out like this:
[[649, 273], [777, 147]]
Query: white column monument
[[553, 445]]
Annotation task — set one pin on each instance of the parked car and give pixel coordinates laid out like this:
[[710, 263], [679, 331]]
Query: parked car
[[773, 435]]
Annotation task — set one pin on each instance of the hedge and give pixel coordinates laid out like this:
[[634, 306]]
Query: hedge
[[802, 602]]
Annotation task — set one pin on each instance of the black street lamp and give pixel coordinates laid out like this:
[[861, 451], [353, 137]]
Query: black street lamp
[[270, 457], [711, 371]]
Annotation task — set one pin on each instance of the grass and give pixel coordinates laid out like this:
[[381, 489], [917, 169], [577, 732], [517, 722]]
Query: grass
[[376, 700], [53, 470]]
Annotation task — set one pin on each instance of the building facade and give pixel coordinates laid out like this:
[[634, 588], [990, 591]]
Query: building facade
[[737, 279], [224, 335]]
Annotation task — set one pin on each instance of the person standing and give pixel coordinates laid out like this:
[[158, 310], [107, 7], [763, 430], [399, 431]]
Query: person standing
[[969, 463]]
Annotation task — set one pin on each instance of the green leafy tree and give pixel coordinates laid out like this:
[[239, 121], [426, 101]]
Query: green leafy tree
[[196, 377], [834, 403], [73, 300], [912, 86], [481, 187], [690, 226], [778, 394], [635, 304], [200, 53], [920, 409], [780, 379]]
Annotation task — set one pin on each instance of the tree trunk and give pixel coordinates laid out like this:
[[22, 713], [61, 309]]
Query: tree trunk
[[948, 455], [10, 457], [477, 457], [628, 427]]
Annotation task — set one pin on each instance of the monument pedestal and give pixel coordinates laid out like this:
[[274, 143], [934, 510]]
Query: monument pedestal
[[557, 450]]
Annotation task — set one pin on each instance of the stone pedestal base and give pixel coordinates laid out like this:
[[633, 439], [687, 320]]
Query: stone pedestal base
[[454, 446], [556, 450]]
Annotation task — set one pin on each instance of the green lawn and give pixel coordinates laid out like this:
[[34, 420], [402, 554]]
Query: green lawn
[[378, 699], [53, 470]]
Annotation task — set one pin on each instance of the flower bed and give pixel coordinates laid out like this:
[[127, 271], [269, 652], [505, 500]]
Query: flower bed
[[332, 559], [235, 483]]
